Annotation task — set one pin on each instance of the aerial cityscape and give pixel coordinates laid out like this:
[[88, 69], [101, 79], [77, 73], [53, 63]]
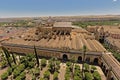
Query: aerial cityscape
[[60, 40]]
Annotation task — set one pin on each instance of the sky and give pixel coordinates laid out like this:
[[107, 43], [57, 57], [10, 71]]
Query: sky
[[35, 8]]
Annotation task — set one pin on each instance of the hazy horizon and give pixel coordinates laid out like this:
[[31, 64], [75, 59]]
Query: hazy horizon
[[40, 8]]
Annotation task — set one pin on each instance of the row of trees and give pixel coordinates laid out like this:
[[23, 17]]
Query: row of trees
[[3, 62], [53, 68], [28, 62], [94, 23], [90, 72], [31, 61], [25, 62], [73, 72], [20, 23]]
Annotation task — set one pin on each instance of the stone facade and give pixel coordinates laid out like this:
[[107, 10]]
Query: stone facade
[[46, 52]]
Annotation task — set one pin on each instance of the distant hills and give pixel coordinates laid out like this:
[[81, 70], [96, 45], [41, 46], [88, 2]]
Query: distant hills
[[66, 18]]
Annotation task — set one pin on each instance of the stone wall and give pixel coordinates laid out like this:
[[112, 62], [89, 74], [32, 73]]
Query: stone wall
[[52, 53]]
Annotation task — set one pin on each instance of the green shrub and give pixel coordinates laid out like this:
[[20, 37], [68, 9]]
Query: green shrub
[[68, 63], [46, 79], [77, 67], [93, 68], [86, 66], [36, 71], [51, 66], [18, 70], [77, 78], [16, 73], [68, 70], [88, 76], [21, 67], [55, 76], [33, 77], [58, 65], [30, 57], [77, 72], [31, 64], [11, 59], [4, 76], [18, 78], [67, 76], [42, 79], [3, 64], [22, 59], [47, 74], [14, 66], [96, 76], [9, 70], [43, 62], [57, 62], [22, 75]]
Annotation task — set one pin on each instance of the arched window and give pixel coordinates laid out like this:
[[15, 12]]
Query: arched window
[[87, 59], [112, 78], [101, 64], [96, 61], [79, 59], [65, 57]]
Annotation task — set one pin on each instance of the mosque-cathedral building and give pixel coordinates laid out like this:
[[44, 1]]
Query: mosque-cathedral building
[[60, 40], [65, 41]]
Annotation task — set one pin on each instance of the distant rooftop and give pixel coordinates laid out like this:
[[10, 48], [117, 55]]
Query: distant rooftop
[[62, 24], [115, 42]]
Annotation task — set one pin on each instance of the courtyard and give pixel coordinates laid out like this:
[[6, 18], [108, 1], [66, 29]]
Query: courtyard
[[27, 68]]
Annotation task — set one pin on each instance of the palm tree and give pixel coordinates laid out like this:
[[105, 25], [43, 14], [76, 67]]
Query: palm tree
[[7, 55], [84, 51], [37, 59]]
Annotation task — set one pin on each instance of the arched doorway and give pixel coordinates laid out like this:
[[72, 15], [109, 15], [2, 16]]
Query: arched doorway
[[96, 61], [87, 60], [62, 32], [104, 68], [79, 59], [101, 65], [101, 40], [112, 78], [106, 72], [65, 57]]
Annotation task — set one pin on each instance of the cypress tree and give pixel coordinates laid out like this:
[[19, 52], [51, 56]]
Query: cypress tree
[[84, 51], [37, 59], [7, 55]]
